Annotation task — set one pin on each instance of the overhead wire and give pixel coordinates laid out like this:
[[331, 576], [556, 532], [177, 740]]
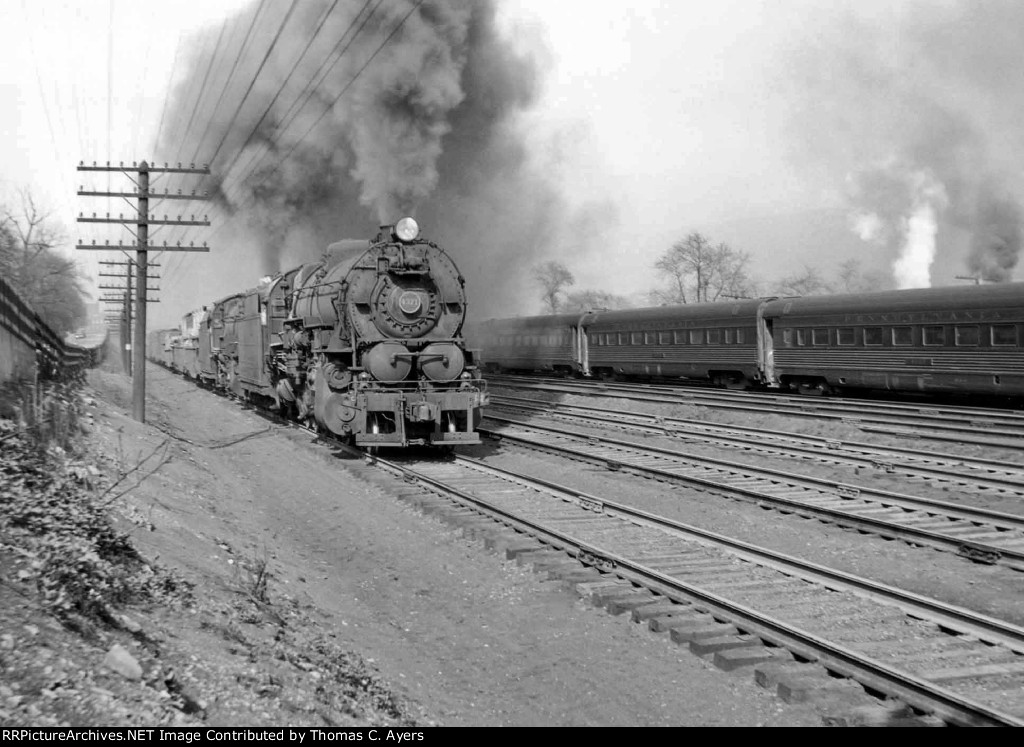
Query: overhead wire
[[345, 89], [183, 137], [227, 172], [58, 152], [248, 90], [181, 231], [220, 209], [326, 66], [337, 98], [167, 96], [202, 91], [252, 84]]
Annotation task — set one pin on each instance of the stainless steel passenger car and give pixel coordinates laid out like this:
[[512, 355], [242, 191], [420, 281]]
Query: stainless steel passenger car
[[720, 342], [965, 339], [960, 339]]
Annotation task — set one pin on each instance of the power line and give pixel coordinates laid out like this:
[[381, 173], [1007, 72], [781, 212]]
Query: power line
[[320, 25], [167, 97], [195, 108], [343, 91], [57, 152], [308, 90], [314, 83], [227, 81], [280, 90], [202, 90], [245, 96]]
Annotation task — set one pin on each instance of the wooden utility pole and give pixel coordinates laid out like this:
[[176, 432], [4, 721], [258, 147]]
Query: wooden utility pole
[[125, 303], [142, 221]]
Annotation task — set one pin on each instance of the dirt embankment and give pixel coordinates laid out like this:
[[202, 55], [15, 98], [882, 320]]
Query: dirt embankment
[[315, 597]]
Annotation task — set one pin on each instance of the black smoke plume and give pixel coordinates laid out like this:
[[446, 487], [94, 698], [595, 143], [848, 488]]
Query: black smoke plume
[[418, 116], [914, 110]]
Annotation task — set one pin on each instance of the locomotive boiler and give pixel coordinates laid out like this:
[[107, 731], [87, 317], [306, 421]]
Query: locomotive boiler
[[367, 342]]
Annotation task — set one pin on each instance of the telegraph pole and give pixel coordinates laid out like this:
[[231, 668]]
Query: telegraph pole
[[124, 321], [142, 221]]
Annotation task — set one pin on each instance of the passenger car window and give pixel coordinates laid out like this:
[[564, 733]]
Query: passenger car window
[[968, 334], [637, 338], [902, 335], [1004, 334], [801, 337], [819, 336], [872, 335], [714, 337], [696, 336], [934, 335], [846, 336], [730, 336], [787, 337], [664, 338], [680, 336]]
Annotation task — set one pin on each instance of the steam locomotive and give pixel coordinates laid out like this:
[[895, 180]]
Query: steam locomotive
[[963, 340], [366, 343]]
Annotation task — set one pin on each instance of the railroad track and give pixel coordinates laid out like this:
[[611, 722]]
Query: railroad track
[[800, 624], [979, 534], [983, 427], [968, 472], [806, 628]]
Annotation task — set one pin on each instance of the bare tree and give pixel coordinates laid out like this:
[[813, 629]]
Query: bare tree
[[808, 282], [554, 278], [697, 271], [851, 278], [587, 300], [31, 263]]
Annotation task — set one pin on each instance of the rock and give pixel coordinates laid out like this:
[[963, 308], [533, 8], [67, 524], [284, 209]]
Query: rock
[[119, 660], [130, 625]]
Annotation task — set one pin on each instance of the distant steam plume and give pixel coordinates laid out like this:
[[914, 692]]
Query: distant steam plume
[[417, 116], [996, 242], [914, 108], [897, 207]]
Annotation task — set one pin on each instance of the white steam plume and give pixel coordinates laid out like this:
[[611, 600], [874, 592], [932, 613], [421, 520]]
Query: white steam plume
[[919, 93]]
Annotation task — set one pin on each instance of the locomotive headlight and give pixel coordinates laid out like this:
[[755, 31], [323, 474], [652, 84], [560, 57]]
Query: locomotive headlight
[[407, 229]]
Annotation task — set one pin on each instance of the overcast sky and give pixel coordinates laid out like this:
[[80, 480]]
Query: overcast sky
[[660, 118]]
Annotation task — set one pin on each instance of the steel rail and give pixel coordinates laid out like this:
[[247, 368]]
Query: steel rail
[[972, 549], [789, 444], [977, 431], [914, 690], [924, 409]]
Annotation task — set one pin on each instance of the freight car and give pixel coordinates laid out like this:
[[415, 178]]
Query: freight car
[[366, 343], [965, 339], [158, 346]]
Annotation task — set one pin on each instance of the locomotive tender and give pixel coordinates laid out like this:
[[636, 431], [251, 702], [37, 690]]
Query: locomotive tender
[[965, 339], [366, 342]]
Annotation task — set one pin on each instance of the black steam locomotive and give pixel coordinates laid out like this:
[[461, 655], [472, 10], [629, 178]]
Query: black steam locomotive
[[366, 343]]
